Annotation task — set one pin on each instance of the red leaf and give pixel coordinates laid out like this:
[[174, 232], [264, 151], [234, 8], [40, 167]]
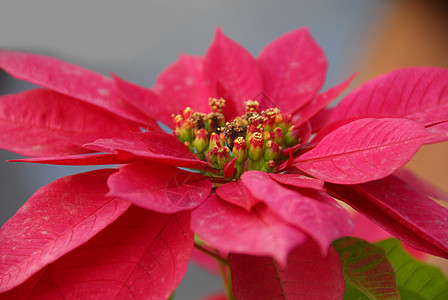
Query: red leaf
[[161, 143], [142, 99], [293, 68], [398, 208], [81, 160], [421, 185], [41, 122], [299, 181], [158, 187], [363, 150], [321, 119], [316, 214], [316, 105], [142, 254], [135, 146], [419, 94], [236, 193], [183, 84], [229, 168], [66, 78], [235, 72], [308, 276], [371, 232], [56, 219], [230, 228]]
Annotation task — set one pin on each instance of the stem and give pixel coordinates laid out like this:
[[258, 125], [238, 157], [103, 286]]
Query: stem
[[216, 256], [223, 268], [226, 282]]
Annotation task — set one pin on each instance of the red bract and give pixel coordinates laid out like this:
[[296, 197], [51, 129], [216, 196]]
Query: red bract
[[130, 231]]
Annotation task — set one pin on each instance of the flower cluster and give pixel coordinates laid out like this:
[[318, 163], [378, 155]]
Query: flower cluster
[[263, 139], [252, 183]]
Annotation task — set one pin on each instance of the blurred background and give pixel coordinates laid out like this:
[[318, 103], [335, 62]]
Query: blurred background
[[137, 39]]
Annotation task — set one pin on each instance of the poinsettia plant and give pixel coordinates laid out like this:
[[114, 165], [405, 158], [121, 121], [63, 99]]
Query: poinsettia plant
[[252, 173]]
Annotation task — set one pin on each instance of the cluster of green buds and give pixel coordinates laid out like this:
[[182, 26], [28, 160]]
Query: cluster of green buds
[[256, 140]]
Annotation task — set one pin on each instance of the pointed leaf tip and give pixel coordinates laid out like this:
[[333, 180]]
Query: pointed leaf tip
[[293, 66], [233, 72]]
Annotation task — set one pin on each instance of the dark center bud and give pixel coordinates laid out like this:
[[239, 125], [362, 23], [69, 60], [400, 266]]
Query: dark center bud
[[239, 150], [252, 106], [216, 105], [197, 121], [214, 121], [201, 140], [232, 131]]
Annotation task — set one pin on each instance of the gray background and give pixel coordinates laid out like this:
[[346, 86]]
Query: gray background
[[138, 39]]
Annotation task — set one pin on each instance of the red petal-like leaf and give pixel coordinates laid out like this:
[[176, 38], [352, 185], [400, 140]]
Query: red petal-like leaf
[[317, 215], [82, 160], [158, 187], [371, 232], [367, 230], [229, 168], [308, 276], [56, 219], [139, 145], [68, 79], [234, 71], [236, 193], [440, 132], [143, 254], [41, 122], [421, 185], [298, 180], [419, 94], [293, 68], [161, 143], [316, 105], [396, 206], [144, 100], [363, 150], [321, 119], [231, 228], [183, 84]]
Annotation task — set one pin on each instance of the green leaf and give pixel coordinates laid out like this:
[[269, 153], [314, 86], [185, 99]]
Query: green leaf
[[416, 280], [366, 268]]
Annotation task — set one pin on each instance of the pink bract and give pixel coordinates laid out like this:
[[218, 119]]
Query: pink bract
[[129, 231]]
